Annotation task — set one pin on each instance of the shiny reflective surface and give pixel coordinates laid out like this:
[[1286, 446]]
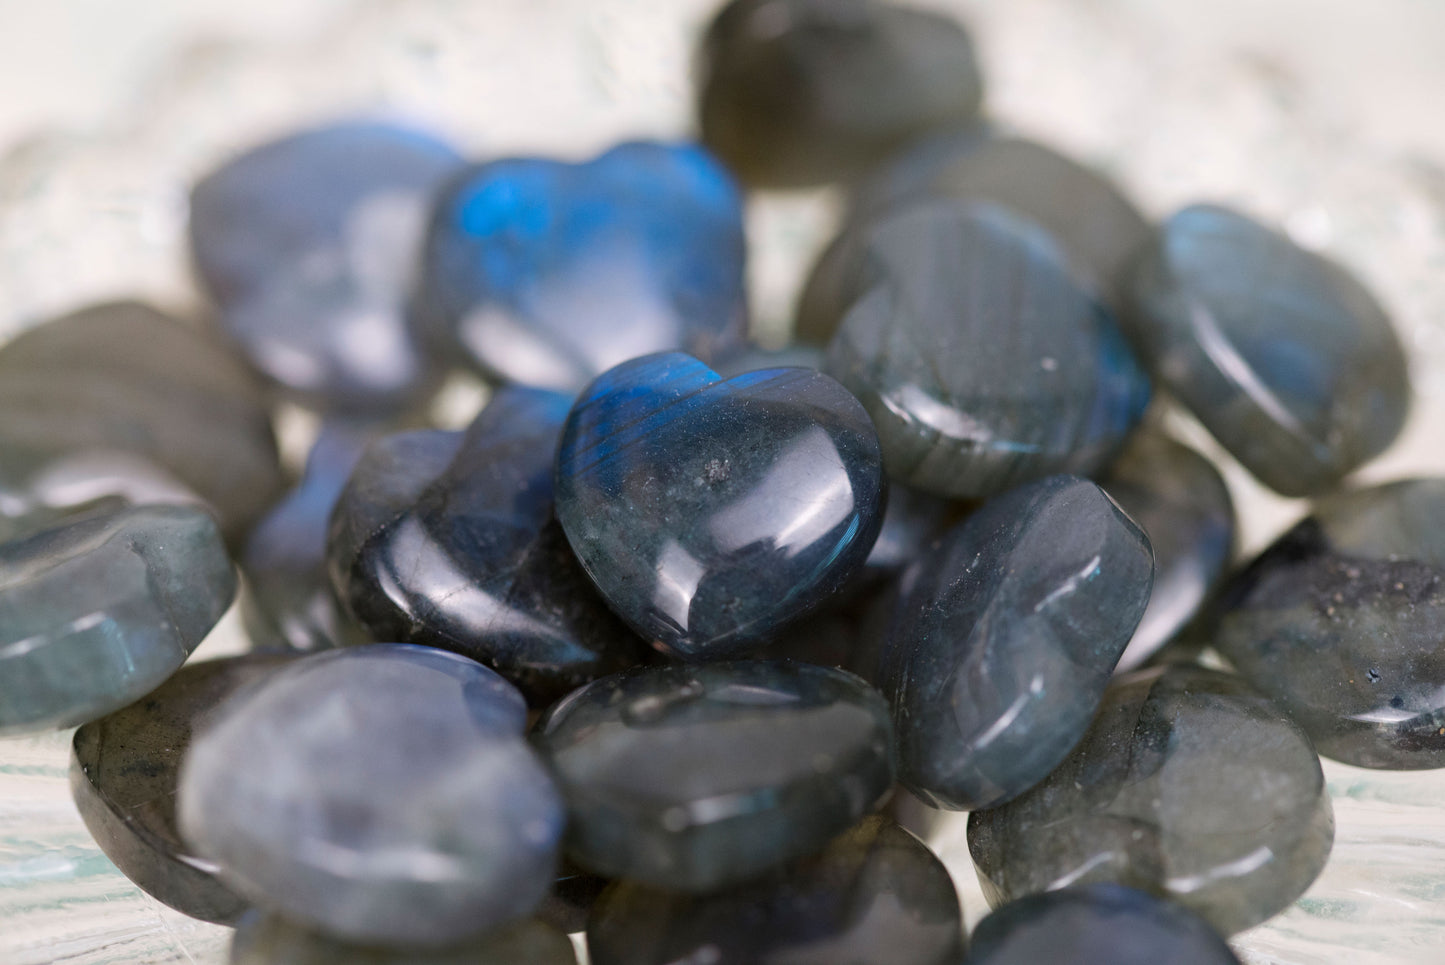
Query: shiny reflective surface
[[267, 939], [711, 513]]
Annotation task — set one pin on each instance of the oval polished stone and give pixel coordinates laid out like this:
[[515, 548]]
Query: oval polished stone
[[546, 273], [1340, 621], [381, 794], [874, 896], [800, 92], [1004, 638], [1189, 785], [124, 377], [268, 939], [1283, 355], [97, 612], [123, 774], [1096, 925], [692, 778], [307, 244], [469, 558], [983, 361], [711, 513]]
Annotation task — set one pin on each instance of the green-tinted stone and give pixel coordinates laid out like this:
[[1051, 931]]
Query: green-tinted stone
[[268, 939]]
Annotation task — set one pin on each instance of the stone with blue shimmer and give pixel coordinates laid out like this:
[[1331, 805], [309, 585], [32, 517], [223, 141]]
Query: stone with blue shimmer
[[269, 939], [713, 512], [1283, 354], [547, 273], [381, 794], [1004, 638]]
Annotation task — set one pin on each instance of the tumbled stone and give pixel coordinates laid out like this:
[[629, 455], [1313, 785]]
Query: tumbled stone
[[1179, 500], [546, 273], [123, 773], [1096, 925], [874, 896], [124, 377], [467, 556], [800, 92], [1189, 785], [711, 513], [97, 612], [1282, 354], [307, 243], [983, 361], [269, 939], [381, 793], [1341, 622], [1004, 638], [693, 778]]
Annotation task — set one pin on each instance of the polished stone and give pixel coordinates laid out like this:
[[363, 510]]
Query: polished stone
[[467, 556], [1189, 785], [307, 244], [711, 513], [1004, 638], [801, 92], [1341, 622], [692, 778], [874, 896], [268, 939], [1282, 354], [381, 793], [123, 773], [123, 377], [1179, 500], [546, 273], [1096, 925], [982, 359], [97, 612]]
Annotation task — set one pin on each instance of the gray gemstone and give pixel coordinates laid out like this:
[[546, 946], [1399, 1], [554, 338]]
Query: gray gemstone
[[1189, 785], [269, 939], [1004, 639]]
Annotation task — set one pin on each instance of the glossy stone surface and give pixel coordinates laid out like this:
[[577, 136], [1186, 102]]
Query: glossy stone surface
[[1283, 355], [457, 548], [97, 612], [1189, 785], [983, 361], [1180, 501], [711, 513], [800, 92], [307, 244], [380, 793], [874, 896], [547, 273], [268, 939], [123, 773], [124, 377], [1004, 638], [1096, 925], [1341, 622], [692, 778]]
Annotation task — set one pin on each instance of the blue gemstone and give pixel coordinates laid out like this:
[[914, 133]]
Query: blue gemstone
[[548, 273], [711, 513]]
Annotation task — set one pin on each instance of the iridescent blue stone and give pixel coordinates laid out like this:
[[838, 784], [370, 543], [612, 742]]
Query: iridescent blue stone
[[547, 273], [307, 245], [1282, 354], [711, 513], [269, 939], [1004, 639]]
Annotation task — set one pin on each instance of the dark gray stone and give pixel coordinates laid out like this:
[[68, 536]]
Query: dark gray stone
[[268, 939]]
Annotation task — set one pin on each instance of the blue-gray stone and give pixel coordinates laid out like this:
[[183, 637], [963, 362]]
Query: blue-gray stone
[[694, 778], [97, 612], [1189, 785], [381, 794], [874, 896], [711, 513], [1341, 622], [269, 939], [547, 273], [982, 359], [1004, 638], [1282, 354], [307, 244]]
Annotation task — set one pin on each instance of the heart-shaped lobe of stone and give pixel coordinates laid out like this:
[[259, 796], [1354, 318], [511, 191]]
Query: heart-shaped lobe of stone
[[712, 512]]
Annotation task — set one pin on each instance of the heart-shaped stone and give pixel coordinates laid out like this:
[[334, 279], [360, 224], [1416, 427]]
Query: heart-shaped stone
[[712, 512]]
